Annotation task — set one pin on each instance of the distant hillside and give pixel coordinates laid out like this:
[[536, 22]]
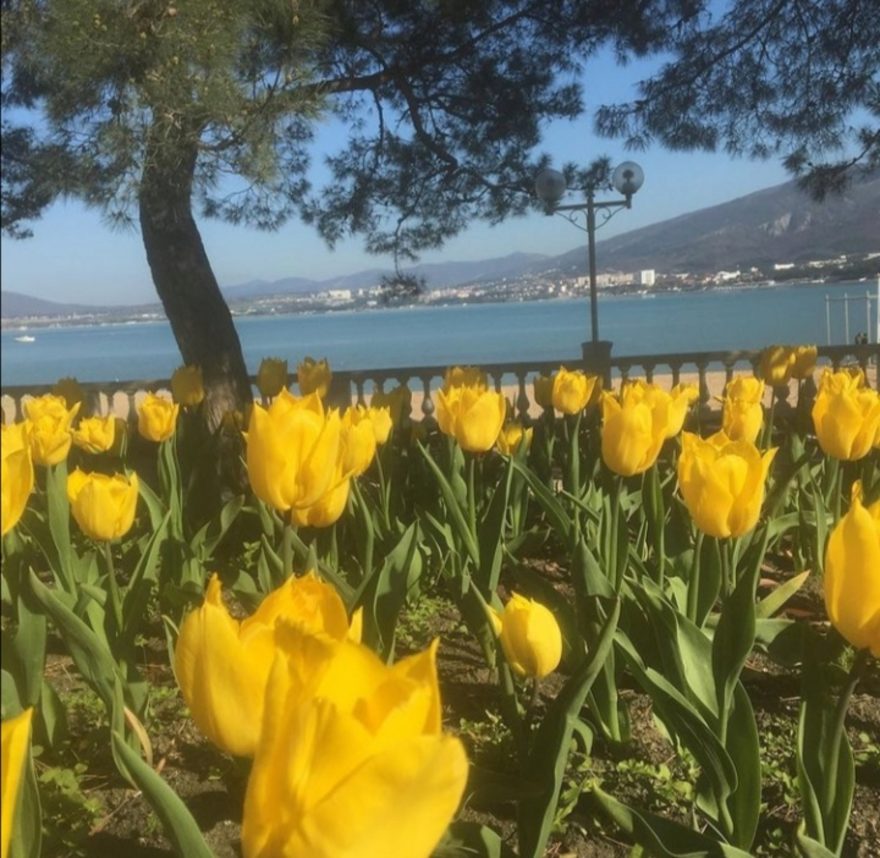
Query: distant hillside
[[15, 304], [437, 276], [779, 224]]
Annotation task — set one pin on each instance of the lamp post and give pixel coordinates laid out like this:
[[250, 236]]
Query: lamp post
[[550, 186]]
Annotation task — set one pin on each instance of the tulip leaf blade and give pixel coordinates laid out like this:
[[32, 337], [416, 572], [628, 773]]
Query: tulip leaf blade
[[454, 507], [490, 534], [560, 520], [472, 840], [808, 848], [90, 654], [663, 837], [551, 747], [178, 822], [772, 602]]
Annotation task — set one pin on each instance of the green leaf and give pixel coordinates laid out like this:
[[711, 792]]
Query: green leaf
[[490, 535], [809, 848], [454, 508], [27, 832], [181, 828], [386, 592], [660, 836], [742, 744], [92, 657], [552, 745], [559, 517], [471, 840], [772, 602], [205, 542], [156, 508], [59, 520], [24, 654]]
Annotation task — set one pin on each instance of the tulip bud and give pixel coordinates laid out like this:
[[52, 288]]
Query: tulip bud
[[530, 637], [50, 432], [852, 575], [293, 450], [358, 440], [314, 376], [397, 401], [722, 483], [103, 506], [742, 415], [272, 377], [846, 416], [473, 416], [543, 388], [15, 739], [380, 419], [775, 365], [804, 361], [634, 427], [157, 418], [17, 478], [572, 391], [511, 437], [187, 386], [95, 434], [465, 376], [222, 664]]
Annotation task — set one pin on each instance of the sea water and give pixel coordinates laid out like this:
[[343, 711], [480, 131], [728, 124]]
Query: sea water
[[720, 319]]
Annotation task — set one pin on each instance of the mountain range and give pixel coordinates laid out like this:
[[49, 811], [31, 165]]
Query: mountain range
[[776, 225]]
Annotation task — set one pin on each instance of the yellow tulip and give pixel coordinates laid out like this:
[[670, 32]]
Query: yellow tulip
[[157, 418], [511, 437], [187, 385], [530, 636], [380, 419], [70, 390], [17, 478], [95, 434], [15, 737], [572, 390], [355, 765], [272, 376], [50, 433], [222, 664], [681, 397], [293, 448], [852, 575], [103, 506], [314, 376], [473, 416], [465, 376], [634, 427], [846, 415], [722, 482], [329, 507], [804, 361], [742, 415], [358, 439], [398, 402], [543, 389], [775, 365]]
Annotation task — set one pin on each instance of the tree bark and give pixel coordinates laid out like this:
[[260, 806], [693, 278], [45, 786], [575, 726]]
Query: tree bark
[[182, 274]]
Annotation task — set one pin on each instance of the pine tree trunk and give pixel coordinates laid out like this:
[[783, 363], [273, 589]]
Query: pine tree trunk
[[187, 287]]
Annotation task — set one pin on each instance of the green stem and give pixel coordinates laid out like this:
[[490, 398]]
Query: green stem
[[383, 491], [472, 494], [614, 560], [574, 455], [113, 588], [287, 549], [693, 606], [838, 726], [767, 437]]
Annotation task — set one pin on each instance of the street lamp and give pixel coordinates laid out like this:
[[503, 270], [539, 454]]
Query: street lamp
[[550, 186]]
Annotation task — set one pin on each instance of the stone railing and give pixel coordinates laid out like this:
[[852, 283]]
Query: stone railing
[[710, 370]]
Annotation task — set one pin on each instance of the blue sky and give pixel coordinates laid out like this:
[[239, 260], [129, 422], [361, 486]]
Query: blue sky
[[75, 257]]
